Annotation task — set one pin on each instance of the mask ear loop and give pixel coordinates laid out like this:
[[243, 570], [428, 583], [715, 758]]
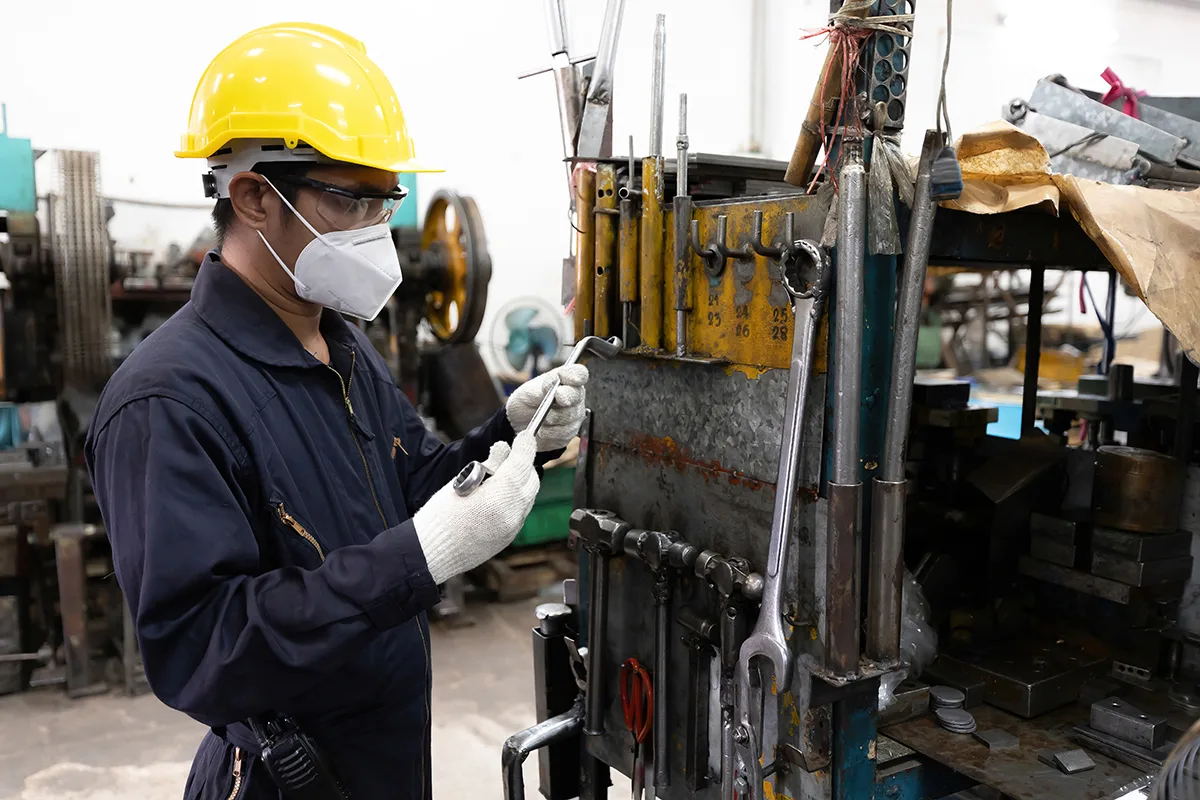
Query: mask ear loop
[[299, 216]]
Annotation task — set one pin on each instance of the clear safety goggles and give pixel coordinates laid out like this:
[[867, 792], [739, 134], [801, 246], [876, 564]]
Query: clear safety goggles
[[348, 209]]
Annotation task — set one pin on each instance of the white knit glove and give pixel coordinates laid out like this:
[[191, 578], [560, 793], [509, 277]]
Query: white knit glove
[[460, 533], [565, 416]]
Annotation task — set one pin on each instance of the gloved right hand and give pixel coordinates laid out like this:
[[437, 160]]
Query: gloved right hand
[[460, 533]]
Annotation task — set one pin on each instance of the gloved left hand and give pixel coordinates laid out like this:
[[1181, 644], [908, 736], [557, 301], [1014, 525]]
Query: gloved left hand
[[565, 416]]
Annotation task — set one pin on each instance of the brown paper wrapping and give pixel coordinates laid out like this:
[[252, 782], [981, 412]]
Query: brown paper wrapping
[[1151, 236]]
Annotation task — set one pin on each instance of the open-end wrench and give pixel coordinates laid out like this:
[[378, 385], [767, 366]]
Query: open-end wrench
[[768, 640], [472, 476]]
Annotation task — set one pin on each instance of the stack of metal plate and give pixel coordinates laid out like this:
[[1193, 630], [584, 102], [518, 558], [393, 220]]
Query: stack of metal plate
[[956, 720], [946, 697]]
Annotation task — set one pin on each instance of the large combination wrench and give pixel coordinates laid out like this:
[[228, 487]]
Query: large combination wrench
[[767, 640], [472, 476]]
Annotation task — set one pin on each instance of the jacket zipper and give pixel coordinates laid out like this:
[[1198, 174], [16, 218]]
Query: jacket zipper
[[350, 423], [299, 530], [237, 773]]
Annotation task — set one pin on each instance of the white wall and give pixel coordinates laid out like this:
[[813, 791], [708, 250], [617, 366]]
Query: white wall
[[118, 77]]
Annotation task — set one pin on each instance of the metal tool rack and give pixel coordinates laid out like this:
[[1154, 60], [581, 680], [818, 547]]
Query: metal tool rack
[[676, 485]]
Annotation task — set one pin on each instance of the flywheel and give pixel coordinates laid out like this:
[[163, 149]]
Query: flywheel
[[455, 258]]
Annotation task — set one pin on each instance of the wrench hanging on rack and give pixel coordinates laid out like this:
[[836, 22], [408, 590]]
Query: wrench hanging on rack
[[768, 641]]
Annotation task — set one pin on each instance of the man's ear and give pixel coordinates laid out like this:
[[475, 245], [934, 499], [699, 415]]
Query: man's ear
[[253, 199]]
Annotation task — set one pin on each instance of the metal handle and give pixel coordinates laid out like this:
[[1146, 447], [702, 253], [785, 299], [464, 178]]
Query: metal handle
[[474, 474]]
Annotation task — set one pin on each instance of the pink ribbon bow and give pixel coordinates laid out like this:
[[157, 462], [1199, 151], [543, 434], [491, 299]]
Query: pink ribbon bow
[[1117, 90]]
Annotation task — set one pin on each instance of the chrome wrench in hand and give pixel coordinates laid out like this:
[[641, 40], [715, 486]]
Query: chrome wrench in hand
[[768, 640], [472, 476]]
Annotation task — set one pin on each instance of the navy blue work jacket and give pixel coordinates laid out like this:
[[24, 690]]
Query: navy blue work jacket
[[259, 507]]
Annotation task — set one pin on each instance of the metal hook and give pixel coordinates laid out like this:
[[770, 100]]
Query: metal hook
[[783, 251], [727, 253], [713, 262]]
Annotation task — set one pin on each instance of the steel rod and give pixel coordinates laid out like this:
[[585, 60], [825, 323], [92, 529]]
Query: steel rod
[[597, 109], [518, 746], [683, 217], [662, 631], [658, 85], [888, 493], [585, 252], [598, 576], [1033, 350]]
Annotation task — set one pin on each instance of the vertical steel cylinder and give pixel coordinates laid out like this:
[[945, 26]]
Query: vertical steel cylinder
[[683, 221], [886, 576], [585, 253], [597, 632], [627, 265], [662, 652], [843, 543], [606, 251], [650, 271], [848, 290], [886, 565]]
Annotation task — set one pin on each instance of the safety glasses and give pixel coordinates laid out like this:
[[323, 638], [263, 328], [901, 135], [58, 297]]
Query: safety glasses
[[347, 209]]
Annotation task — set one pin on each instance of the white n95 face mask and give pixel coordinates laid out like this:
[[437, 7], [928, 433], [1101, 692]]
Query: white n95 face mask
[[354, 272]]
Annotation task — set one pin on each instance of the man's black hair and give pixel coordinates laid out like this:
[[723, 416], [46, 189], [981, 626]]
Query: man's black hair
[[222, 213]]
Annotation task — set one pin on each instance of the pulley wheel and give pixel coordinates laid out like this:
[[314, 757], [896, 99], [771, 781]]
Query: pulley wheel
[[454, 250]]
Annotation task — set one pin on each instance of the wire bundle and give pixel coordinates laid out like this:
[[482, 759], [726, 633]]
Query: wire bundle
[[1179, 779]]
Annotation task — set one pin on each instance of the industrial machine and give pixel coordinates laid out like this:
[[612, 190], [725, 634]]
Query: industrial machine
[[760, 470]]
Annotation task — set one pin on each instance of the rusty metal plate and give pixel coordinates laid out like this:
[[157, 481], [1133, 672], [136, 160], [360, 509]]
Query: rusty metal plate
[[1016, 772]]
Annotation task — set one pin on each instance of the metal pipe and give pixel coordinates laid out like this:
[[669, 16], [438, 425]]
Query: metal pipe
[[729, 647], [599, 101], [842, 547], [658, 85], [518, 746], [662, 629], [627, 258], [585, 252], [598, 578], [556, 26], [606, 239], [1033, 350], [851, 253], [887, 521], [1110, 313], [650, 270], [683, 217]]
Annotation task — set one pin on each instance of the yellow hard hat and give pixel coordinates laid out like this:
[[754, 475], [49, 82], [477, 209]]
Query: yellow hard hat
[[300, 83]]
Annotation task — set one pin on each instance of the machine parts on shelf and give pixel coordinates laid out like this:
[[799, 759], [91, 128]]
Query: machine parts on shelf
[[1137, 490], [955, 720], [1027, 679], [1068, 762], [768, 640], [472, 476], [455, 265], [997, 740], [1062, 540]]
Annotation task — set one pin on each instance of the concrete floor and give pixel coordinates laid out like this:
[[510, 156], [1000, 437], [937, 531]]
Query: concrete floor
[[114, 747]]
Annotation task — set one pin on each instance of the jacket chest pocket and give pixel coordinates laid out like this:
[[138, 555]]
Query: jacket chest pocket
[[300, 540]]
